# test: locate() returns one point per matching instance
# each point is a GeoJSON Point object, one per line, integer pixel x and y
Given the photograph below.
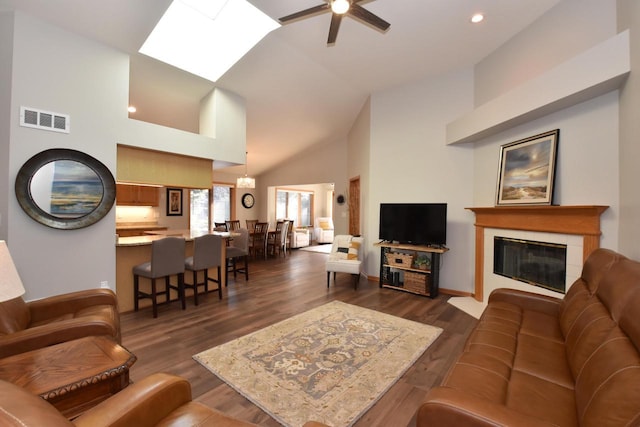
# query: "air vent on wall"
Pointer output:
{"type": "Point", "coordinates": [46, 120]}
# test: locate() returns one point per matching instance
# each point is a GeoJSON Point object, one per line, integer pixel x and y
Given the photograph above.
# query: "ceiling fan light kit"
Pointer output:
{"type": "Point", "coordinates": [338, 9]}
{"type": "Point", "coordinates": [340, 6]}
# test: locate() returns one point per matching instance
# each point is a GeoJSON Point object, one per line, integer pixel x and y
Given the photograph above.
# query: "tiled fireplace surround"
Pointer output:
{"type": "Point", "coordinates": [576, 226]}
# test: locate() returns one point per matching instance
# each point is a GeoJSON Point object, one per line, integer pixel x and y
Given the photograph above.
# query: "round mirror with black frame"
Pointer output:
{"type": "Point", "coordinates": [65, 189]}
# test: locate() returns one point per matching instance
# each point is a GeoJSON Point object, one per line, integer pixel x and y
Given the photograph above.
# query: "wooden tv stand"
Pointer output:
{"type": "Point", "coordinates": [417, 280]}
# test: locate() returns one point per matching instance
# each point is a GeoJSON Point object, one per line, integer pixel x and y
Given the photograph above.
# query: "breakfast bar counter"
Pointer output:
{"type": "Point", "coordinates": [134, 250]}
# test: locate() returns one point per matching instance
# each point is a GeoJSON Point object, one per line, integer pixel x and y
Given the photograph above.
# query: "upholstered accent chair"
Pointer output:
{"type": "Point", "coordinates": [299, 238]}
{"type": "Point", "coordinates": [26, 326]}
{"type": "Point", "coordinates": [323, 230]}
{"type": "Point", "coordinates": [346, 257]}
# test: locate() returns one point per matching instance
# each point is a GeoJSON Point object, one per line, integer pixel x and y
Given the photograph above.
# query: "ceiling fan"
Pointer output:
{"type": "Point", "coordinates": [340, 8]}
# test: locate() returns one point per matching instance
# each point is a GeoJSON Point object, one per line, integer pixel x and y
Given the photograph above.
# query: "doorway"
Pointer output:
{"type": "Point", "coordinates": [354, 206]}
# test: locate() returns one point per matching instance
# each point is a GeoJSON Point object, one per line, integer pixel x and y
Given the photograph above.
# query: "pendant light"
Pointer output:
{"type": "Point", "coordinates": [246, 181]}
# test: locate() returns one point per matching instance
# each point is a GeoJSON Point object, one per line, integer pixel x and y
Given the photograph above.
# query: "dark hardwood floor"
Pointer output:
{"type": "Point", "coordinates": [277, 289]}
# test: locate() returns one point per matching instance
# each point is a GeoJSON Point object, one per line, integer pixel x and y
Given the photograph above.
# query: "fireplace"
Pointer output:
{"type": "Point", "coordinates": [540, 264]}
{"type": "Point", "coordinates": [576, 226]}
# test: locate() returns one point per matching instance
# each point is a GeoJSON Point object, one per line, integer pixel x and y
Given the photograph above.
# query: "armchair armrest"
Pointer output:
{"type": "Point", "coordinates": [60, 305]}
{"type": "Point", "coordinates": [450, 407]}
{"type": "Point", "coordinates": [56, 332]}
{"type": "Point", "coordinates": [144, 403]}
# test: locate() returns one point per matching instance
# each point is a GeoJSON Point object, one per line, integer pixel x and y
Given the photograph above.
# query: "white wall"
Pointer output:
{"type": "Point", "coordinates": [410, 163]}
{"type": "Point", "coordinates": [629, 226]}
{"type": "Point", "coordinates": [587, 155]}
{"type": "Point", "coordinates": [359, 164]}
{"type": "Point", "coordinates": [90, 83]}
{"type": "Point", "coordinates": [568, 29]}
{"type": "Point", "coordinates": [323, 163]}
{"type": "Point", "coordinates": [6, 52]}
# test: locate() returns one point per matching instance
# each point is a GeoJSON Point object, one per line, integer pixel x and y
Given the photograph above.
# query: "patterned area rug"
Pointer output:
{"type": "Point", "coordinates": [329, 364]}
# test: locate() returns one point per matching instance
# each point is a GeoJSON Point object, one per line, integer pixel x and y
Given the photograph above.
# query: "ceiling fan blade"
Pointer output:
{"type": "Point", "coordinates": [364, 15]}
{"type": "Point", "coordinates": [333, 29]}
{"type": "Point", "coordinates": [305, 13]}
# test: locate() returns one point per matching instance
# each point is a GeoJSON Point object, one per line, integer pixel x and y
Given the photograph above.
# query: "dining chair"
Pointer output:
{"type": "Point", "coordinates": [220, 226]}
{"type": "Point", "coordinates": [207, 253]}
{"type": "Point", "coordinates": [251, 225]}
{"type": "Point", "coordinates": [233, 225]}
{"type": "Point", "coordinates": [259, 240]}
{"type": "Point", "coordinates": [277, 243]}
{"type": "Point", "coordinates": [273, 238]}
{"type": "Point", "coordinates": [167, 259]}
{"type": "Point", "coordinates": [238, 250]}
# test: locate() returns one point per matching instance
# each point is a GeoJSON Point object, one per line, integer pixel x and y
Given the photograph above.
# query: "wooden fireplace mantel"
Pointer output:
{"type": "Point", "coordinates": [579, 220]}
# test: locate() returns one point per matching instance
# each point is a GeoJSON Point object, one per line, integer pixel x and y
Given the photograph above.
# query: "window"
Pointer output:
{"type": "Point", "coordinates": [221, 203]}
{"type": "Point", "coordinates": [295, 205]}
{"type": "Point", "coordinates": [199, 212]}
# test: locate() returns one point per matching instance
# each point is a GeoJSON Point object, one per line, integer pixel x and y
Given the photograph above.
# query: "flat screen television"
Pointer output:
{"type": "Point", "coordinates": [414, 223]}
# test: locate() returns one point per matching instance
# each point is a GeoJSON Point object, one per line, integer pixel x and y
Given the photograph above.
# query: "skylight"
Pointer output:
{"type": "Point", "coordinates": [206, 37]}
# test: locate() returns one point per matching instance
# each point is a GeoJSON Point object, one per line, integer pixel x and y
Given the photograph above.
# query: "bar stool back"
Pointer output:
{"type": "Point", "coordinates": [207, 253]}
{"type": "Point", "coordinates": [167, 259]}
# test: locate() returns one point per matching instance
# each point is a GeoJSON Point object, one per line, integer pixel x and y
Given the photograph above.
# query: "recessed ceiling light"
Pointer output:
{"type": "Point", "coordinates": [132, 109]}
{"type": "Point", "coordinates": [205, 37]}
{"type": "Point", "coordinates": [478, 17]}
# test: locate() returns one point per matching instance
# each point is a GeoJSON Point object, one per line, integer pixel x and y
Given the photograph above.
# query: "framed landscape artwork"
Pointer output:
{"type": "Point", "coordinates": [527, 170]}
{"type": "Point", "coordinates": [174, 201]}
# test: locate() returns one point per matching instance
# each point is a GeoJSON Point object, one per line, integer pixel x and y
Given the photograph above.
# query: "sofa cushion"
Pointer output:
{"type": "Point", "coordinates": [537, 397]}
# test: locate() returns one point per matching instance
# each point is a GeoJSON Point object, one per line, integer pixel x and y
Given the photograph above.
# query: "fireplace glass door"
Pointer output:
{"type": "Point", "coordinates": [537, 263]}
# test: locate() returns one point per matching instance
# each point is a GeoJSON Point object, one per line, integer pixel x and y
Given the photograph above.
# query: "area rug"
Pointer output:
{"type": "Point", "coordinates": [323, 249]}
{"type": "Point", "coordinates": [329, 364]}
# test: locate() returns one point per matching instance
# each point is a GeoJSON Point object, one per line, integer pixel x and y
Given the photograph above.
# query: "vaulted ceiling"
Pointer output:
{"type": "Point", "coordinates": [299, 92]}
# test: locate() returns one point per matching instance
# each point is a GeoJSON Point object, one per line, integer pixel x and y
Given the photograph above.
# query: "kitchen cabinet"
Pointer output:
{"type": "Point", "coordinates": [137, 195]}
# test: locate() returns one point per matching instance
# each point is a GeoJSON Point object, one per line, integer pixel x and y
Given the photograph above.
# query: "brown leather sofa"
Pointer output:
{"type": "Point", "coordinates": [26, 326]}
{"type": "Point", "coordinates": [158, 400]}
{"type": "Point", "coordinates": [540, 361]}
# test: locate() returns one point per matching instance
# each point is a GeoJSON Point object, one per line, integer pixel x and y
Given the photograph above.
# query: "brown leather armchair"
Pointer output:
{"type": "Point", "coordinates": [159, 399]}
{"type": "Point", "coordinates": [26, 326]}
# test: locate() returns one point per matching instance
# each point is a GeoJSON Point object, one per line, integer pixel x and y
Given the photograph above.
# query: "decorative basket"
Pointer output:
{"type": "Point", "coordinates": [397, 259]}
{"type": "Point", "coordinates": [416, 282]}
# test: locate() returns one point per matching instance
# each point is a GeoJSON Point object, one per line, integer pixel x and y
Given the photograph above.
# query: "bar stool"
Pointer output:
{"type": "Point", "coordinates": [239, 248]}
{"type": "Point", "coordinates": [207, 253]}
{"type": "Point", "coordinates": [167, 259]}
